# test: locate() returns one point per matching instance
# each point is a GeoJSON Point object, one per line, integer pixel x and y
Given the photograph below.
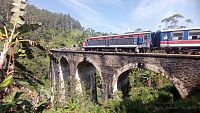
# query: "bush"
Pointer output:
{"type": "Point", "coordinates": [164, 96]}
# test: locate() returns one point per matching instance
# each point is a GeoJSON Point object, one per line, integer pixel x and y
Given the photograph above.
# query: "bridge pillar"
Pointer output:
{"type": "Point", "coordinates": [53, 74]}
{"type": "Point", "coordinates": [107, 86]}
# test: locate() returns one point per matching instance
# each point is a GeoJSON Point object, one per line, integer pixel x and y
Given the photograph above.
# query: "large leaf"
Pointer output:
{"type": "Point", "coordinates": [21, 6]}
{"type": "Point", "coordinates": [18, 11]}
{"type": "Point", "coordinates": [17, 18]}
{"type": "Point", "coordinates": [6, 82]}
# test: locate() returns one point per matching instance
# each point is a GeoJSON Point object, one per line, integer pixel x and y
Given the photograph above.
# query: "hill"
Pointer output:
{"type": "Point", "coordinates": [48, 19]}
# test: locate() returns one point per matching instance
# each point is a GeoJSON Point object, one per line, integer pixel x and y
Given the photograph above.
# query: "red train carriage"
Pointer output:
{"type": "Point", "coordinates": [123, 42]}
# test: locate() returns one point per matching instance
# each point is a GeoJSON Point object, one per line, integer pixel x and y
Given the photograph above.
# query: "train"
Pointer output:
{"type": "Point", "coordinates": [174, 41]}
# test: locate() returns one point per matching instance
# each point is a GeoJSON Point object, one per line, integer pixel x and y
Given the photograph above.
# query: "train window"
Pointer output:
{"type": "Point", "coordinates": [145, 38]}
{"type": "Point", "coordinates": [180, 38]}
{"type": "Point", "coordinates": [194, 32]}
{"type": "Point", "coordinates": [96, 42]}
{"type": "Point", "coordinates": [177, 35]}
{"type": "Point", "coordinates": [165, 36]}
{"type": "Point", "coordinates": [194, 35]}
{"type": "Point", "coordinates": [135, 40]}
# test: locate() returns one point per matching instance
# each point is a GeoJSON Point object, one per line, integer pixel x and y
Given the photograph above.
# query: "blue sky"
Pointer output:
{"type": "Point", "coordinates": [122, 15]}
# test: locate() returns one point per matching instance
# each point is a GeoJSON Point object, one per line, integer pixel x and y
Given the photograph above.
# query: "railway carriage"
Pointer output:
{"type": "Point", "coordinates": [185, 40]}
{"type": "Point", "coordinates": [125, 42]}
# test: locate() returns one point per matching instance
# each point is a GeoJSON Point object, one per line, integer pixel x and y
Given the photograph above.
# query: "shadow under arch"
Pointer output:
{"type": "Point", "coordinates": [123, 83]}
{"type": "Point", "coordinates": [120, 72]}
{"type": "Point", "coordinates": [178, 84]}
{"type": "Point", "coordinates": [65, 69]}
{"type": "Point", "coordinates": [90, 61]}
{"type": "Point", "coordinates": [86, 74]}
{"type": "Point", "coordinates": [66, 75]}
{"type": "Point", "coordinates": [127, 68]}
{"type": "Point", "coordinates": [64, 78]}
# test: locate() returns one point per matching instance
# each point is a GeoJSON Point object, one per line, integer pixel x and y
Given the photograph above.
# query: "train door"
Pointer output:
{"type": "Point", "coordinates": [140, 40]}
{"type": "Point", "coordinates": [144, 40]}
{"type": "Point", "coordinates": [147, 40]}
{"type": "Point", "coordinates": [185, 35]}
{"type": "Point", "coordinates": [107, 41]}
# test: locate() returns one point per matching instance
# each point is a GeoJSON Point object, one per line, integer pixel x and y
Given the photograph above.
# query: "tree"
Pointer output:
{"type": "Point", "coordinates": [166, 21]}
{"type": "Point", "coordinates": [11, 35]}
{"type": "Point", "coordinates": [11, 38]}
{"type": "Point", "coordinates": [188, 21]}
{"type": "Point", "coordinates": [172, 22]}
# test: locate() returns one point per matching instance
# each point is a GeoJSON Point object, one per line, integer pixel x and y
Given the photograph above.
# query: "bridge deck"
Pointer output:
{"type": "Point", "coordinates": [158, 55]}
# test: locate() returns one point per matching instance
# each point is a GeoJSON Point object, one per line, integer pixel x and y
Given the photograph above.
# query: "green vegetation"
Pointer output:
{"type": "Point", "coordinates": [27, 88]}
{"type": "Point", "coordinates": [143, 98]}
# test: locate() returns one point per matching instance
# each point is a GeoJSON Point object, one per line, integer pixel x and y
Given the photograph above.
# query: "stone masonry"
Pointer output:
{"type": "Point", "coordinates": [182, 70]}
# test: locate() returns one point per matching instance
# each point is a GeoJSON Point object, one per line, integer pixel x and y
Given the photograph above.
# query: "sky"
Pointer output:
{"type": "Point", "coordinates": [119, 16]}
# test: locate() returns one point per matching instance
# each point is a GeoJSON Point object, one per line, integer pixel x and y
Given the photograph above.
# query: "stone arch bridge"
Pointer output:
{"type": "Point", "coordinates": [182, 70]}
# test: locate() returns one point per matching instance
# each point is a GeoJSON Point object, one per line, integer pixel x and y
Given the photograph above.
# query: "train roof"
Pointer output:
{"type": "Point", "coordinates": [183, 29]}
{"type": "Point", "coordinates": [125, 34]}
{"type": "Point", "coordinates": [138, 32]}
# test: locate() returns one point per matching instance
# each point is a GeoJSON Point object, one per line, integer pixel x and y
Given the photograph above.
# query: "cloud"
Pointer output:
{"type": "Point", "coordinates": [160, 8]}
{"type": "Point", "coordinates": [151, 12]}
{"type": "Point", "coordinates": [120, 15]}
{"type": "Point", "coordinates": [80, 6]}
{"type": "Point", "coordinates": [103, 2]}
{"type": "Point", "coordinates": [150, 8]}
{"type": "Point", "coordinates": [90, 17]}
{"type": "Point", "coordinates": [110, 2]}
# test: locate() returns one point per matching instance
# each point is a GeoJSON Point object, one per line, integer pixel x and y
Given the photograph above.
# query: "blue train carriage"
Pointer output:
{"type": "Point", "coordinates": [185, 40]}
{"type": "Point", "coordinates": [128, 42]}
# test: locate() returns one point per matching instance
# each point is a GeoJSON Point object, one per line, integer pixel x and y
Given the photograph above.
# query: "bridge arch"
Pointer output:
{"type": "Point", "coordinates": [175, 81]}
{"type": "Point", "coordinates": [90, 61]}
{"type": "Point", "coordinates": [121, 71]}
{"type": "Point", "coordinates": [61, 77]}
{"type": "Point", "coordinates": [86, 73]}
{"type": "Point", "coordinates": [65, 68]}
